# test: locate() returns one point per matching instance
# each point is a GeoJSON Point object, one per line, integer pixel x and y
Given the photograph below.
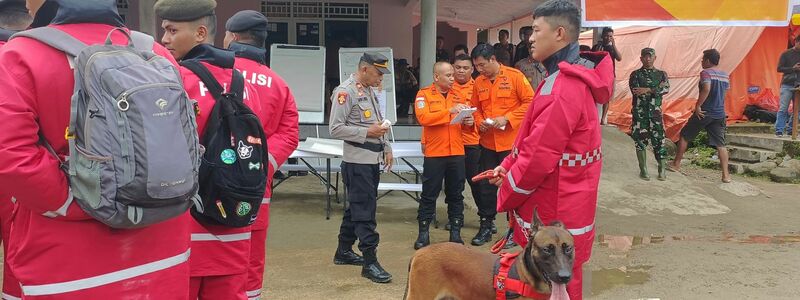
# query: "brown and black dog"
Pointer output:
{"type": "Point", "coordinates": [453, 271]}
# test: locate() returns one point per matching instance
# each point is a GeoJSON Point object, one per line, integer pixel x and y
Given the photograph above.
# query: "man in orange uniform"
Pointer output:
{"type": "Point", "coordinates": [502, 96]}
{"type": "Point", "coordinates": [469, 134]}
{"type": "Point", "coordinates": [436, 106]}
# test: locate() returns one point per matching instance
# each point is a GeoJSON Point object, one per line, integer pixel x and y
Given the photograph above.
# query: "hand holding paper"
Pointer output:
{"type": "Point", "coordinates": [463, 114]}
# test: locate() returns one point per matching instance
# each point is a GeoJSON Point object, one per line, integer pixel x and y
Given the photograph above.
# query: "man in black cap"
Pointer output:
{"type": "Point", "coordinates": [14, 17]}
{"type": "Point", "coordinates": [245, 34]}
{"type": "Point", "coordinates": [186, 23]}
{"type": "Point", "coordinates": [356, 118]}
{"type": "Point", "coordinates": [220, 255]}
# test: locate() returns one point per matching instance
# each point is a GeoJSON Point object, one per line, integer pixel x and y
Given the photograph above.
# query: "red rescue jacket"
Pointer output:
{"type": "Point", "coordinates": [216, 250]}
{"type": "Point", "coordinates": [555, 163]}
{"type": "Point", "coordinates": [53, 257]}
{"type": "Point", "coordinates": [278, 114]}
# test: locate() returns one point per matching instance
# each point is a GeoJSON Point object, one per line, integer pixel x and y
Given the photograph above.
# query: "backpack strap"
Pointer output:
{"type": "Point", "coordinates": [236, 92]}
{"type": "Point", "coordinates": [54, 38]}
{"type": "Point", "coordinates": [142, 41]}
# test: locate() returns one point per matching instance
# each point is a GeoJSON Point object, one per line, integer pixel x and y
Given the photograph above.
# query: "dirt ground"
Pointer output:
{"type": "Point", "coordinates": [691, 237]}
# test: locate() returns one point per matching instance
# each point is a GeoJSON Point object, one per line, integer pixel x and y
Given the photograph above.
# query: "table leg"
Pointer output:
{"type": "Point", "coordinates": [794, 113]}
{"type": "Point", "coordinates": [328, 189]}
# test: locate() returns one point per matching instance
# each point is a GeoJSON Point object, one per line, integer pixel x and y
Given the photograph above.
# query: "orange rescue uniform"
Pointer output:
{"type": "Point", "coordinates": [509, 95]}
{"type": "Point", "coordinates": [433, 113]}
{"type": "Point", "coordinates": [469, 134]}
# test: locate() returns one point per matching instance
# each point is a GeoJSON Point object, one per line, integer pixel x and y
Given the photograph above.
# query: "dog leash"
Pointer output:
{"type": "Point", "coordinates": [488, 174]}
{"type": "Point", "coordinates": [501, 244]}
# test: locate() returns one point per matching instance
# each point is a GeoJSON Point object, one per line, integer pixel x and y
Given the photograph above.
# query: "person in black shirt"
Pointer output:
{"type": "Point", "coordinates": [608, 44]}
{"type": "Point", "coordinates": [505, 45]}
{"type": "Point", "coordinates": [441, 54]}
{"type": "Point", "coordinates": [522, 48]}
{"type": "Point", "coordinates": [789, 65]}
{"type": "Point", "coordinates": [459, 50]}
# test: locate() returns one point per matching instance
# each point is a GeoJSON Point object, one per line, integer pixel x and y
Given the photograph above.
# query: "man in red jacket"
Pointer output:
{"type": "Point", "coordinates": [554, 164]}
{"type": "Point", "coordinates": [245, 34]}
{"type": "Point", "coordinates": [220, 254]}
{"type": "Point", "coordinates": [57, 251]}
{"type": "Point", "coordinates": [14, 17]}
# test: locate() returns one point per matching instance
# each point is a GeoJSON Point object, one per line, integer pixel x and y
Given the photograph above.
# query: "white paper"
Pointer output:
{"type": "Point", "coordinates": [491, 122]}
{"type": "Point", "coordinates": [463, 114]}
{"type": "Point", "coordinates": [380, 94]}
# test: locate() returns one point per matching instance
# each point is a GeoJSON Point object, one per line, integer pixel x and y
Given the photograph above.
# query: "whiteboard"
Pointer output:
{"type": "Point", "coordinates": [348, 64]}
{"type": "Point", "coordinates": [303, 69]}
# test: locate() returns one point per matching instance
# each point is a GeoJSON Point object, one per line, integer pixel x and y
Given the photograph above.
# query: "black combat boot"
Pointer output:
{"type": "Point", "coordinates": [455, 231]}
{"type": "Point", "coordinates": [372, 270]}
{"type": "Point", "coordinates": [346, 256]}
{"type": "Point", "coordinates": [424, 238]}
{"type": "Point", "coordinates": [484, 234]}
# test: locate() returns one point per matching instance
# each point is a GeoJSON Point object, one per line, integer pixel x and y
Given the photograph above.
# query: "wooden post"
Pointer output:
{"type": "Point", "coordinates": [795, 110]}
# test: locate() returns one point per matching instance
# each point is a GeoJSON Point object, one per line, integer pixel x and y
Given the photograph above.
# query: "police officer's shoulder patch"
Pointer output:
{"type": "Point", "coordinates": [342, 97]}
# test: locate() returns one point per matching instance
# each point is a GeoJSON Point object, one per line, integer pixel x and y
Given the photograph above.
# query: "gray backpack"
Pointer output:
{"type": "Point", "coordinates": [134, 150]}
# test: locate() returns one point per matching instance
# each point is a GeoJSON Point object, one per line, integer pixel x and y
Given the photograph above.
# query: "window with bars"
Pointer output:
{"type": "Point", "coordinates": [122, 8]}
{"type": "Point", "coordinates": [276, 9]}
{"type": "Point", "coordinates": [315, 10]}
{"type": "Point", "coordinates": [347, 11]}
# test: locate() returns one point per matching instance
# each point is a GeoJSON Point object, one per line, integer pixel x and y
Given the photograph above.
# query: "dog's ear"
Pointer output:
{"type": "Point", "coordinates": [537, 224]}
{"type": "Point", "coordinates": [558, 224]}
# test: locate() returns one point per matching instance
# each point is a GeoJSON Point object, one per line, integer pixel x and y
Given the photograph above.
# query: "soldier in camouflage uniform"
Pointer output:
{"type": "Point", "coordinates": [648, 85]}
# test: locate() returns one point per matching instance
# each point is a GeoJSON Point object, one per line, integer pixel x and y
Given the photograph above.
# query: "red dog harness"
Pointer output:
{"type": "Point", "coordinates": [506, 286]}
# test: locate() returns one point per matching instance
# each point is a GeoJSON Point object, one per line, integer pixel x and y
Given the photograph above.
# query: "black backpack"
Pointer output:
{"type": "Point", "coordinates": [233, 175]}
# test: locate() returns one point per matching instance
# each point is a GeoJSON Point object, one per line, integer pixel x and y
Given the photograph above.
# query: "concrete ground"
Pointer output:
{"type": "Point", "coordinates": [690, 237]}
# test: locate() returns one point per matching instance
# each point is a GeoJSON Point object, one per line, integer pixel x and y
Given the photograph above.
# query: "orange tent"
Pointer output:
{"type": "Point", "coordinates": [749, 54]}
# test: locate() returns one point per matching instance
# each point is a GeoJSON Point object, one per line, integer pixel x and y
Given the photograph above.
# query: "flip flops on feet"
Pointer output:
{"type": "Point", "coordinates": [672, 168]}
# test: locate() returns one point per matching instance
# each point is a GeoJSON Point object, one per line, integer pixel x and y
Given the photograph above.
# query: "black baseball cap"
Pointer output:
{"type": "Point", "coordinates": [246, 20]}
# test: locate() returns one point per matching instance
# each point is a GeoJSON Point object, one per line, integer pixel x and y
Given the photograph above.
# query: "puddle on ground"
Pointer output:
{"type": "Point", "coordinates": [624, 243]}
{"type": "Point", "coordinates": [606, 279]}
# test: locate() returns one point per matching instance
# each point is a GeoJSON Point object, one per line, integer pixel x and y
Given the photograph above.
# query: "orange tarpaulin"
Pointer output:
{"type": "Point", "coordinates": [749, 54]}
{"type": "Point", "coordinates": [686, 12]}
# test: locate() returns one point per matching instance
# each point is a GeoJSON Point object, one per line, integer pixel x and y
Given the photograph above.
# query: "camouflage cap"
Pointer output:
{"type": "Point", "coordinates": [184, 10]}
{"type": "Point", "coordinates": [649, 51]}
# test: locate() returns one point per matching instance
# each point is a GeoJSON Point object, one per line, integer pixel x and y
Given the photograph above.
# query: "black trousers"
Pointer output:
{"type": "Point", "coordinates": [436, 169]}
{"type": "Point", "coordinates": [487, 206]}
{"type": "Point", "coordinates": [472, 166]}
{"type": "Point", "coordinates": [359, 221]}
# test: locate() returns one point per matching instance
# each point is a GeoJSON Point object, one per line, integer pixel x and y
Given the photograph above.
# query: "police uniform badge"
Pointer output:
{"type": "Point", "coordinates": [341, 98]}
{"type": "Point", "coordinates": [367, 114]}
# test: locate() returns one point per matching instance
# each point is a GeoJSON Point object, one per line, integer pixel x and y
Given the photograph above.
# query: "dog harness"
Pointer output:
{"type": "Point", "coordinates": [506, 280]}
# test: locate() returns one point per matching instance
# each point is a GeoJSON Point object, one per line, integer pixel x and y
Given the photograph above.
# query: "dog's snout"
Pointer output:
{"type": "Point", "coordinates": [564, 276]}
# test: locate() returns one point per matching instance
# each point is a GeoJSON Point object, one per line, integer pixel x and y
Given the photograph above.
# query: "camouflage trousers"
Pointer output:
{"type": "Point", "coordinates": [648, 128]}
